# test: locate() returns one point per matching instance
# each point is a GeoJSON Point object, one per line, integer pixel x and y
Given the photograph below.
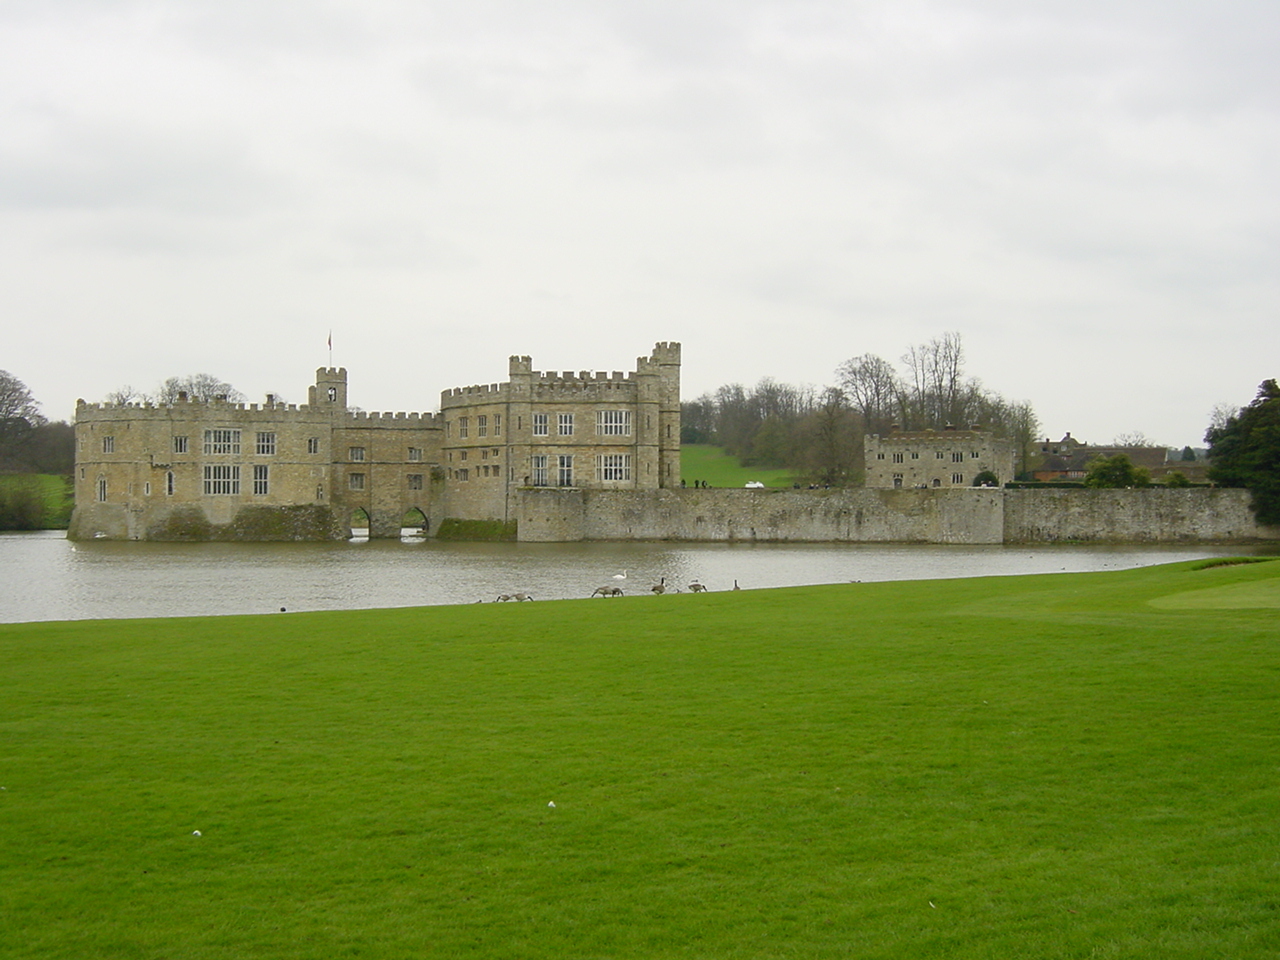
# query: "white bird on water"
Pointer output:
{"type": "Point", "coordinates": [620, 576]}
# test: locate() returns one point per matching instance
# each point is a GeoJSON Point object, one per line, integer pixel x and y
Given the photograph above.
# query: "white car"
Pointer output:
{"type": "Point", "coordinates": [754, 485]}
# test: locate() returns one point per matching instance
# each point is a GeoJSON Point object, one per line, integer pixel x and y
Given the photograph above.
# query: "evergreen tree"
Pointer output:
{"type": "Point", "coordinates": [1245, 452]}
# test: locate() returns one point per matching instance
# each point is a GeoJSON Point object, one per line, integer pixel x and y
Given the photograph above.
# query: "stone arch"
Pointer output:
{"type": "Point", "coordinates": [416, 522]}
{"type": "Point", "coordinates": [359, 523]}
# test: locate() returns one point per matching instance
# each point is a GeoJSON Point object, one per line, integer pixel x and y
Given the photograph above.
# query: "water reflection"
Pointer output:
{"type": "Point", "coordinates": [45, 577]}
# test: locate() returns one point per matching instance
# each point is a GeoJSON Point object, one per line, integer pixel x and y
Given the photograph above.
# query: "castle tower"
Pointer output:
{"type": "Point", "coordinates": [658, 377]}
{"type": "Point", "coordinates": [330, 391]}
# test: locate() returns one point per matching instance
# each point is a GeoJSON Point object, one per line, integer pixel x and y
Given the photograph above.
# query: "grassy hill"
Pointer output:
{"type": "Point", "coordinates": [718, 469]}
{"type": "Point", "coordinates": [33, 501]}
{"type": "Point", "coordinates": [1076, 765]}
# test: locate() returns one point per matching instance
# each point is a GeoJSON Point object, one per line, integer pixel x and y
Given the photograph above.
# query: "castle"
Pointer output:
{"type": "Point", "coordinates": [196, 470]}
{"type": "Point", "coordinates": [936, 459]}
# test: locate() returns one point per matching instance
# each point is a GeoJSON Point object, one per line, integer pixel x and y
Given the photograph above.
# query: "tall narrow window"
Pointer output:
{"type": "Point", "coordinates": [565, 425]}
{"type": "Point", "coordinates": [540, 471]}
{"type": "Point", "coordinates": [168, 483]}
{"type": "Point", "coordinates": [540, 425]}
{"type": "Point", "coordinates": [260, 479]}
{"type": "Point", "coordinates": [565, 474]}
{"type": "Point", "coordinates": [313, 444]}
{"type": "Point", "coordinates": [179, 444]}
{"type": "Point", "coordinates": [497, 424]}
{"type": "Point", "coordinates": [265, 445]}
{"type": "Point", "coordinates": [482, 426]}
{"type": "Point", "coordinates": [102, 489]}
{"type": "Point", "coordinates": [108, 444]}
{"type": "Point", "coordinates": [463, 427]}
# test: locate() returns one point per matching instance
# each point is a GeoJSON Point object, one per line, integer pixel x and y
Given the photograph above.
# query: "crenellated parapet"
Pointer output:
{"type": "Point", "coordinates": [205, 410]}
{"type": "Point", "coordinates": [478, 393]}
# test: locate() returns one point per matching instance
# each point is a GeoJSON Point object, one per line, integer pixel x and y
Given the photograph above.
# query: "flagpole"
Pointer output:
{"type": "Point", "coordinates": [331, 348]}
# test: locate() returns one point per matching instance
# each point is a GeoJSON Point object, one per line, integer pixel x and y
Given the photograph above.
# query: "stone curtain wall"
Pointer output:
{"type": "Point", "coordinates": [891, 516]}
{"type": "Point", "coordinates": [1131, 516]}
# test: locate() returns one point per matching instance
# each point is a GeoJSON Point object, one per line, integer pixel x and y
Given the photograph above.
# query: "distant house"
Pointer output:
{"type": "Point", "coordinates": [1069, 459]}
{"type": "Point", "coordinates": [936, 458]}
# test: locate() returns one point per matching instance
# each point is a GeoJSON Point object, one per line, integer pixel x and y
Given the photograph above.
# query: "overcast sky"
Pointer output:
{"type": "Point", "coordinates": [1085, 191]}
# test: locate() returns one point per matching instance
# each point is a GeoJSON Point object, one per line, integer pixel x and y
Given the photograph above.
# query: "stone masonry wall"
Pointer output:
{"type": "Point", "coordinates": [891, 516]}
{"type": "Point", "coordinates": [1152, 515]}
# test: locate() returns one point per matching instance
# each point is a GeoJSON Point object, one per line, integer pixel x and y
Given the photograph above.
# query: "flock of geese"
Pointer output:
{"type": "Point", "coordinates": [615, 589]}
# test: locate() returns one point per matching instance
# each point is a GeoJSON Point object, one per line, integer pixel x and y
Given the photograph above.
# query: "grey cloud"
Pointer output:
{"type": "Point", "coordinates": [79, 166]}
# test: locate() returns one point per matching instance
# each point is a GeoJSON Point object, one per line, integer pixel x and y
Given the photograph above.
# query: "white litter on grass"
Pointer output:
{"type": "Point", "coordinates": [551, 804]}
{"type": "Point", "coordinates": [931, 903]}
{"type": "Point", "coordinates": [195, 833]}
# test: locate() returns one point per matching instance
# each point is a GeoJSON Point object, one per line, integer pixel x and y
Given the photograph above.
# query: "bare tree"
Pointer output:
{"type": "Point", "coordinates": [828, 440]}
{"type": "Point", "coordinates": [872, 388]}
{"type": "Point", "coordinates": [938, 394]}
{"type": "Point", "coordinates": [1134, 438]}
{"type": "Point", "coordinates": [197, 386]}
{"type": "Point", "coordinates": [1221, 415]}
{"type": "Point", "coordinates": [19, 415]}
{"type": "Point", "coordinates": [125, 394]}
{"type": "Point", "coordinates": [16, 402]}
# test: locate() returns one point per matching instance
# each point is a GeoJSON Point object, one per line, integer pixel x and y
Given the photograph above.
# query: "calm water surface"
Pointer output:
{"type": "Point", "coordinates": [43, 576]}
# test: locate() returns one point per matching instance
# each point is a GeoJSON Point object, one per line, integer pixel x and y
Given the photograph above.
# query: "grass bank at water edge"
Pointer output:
{"type": "Point", "coordinates": [1059, 766]}
{"type": "Point", "coordinates": [35, 501]}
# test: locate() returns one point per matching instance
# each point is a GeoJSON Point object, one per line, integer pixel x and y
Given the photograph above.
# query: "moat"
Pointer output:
{"type": "Point", "coordinates": [46, 577]}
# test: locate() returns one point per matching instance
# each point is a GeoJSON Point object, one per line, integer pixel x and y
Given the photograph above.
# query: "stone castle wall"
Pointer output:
{"type": "Point", "coordinates": [1150, 515]}
{"type": "Point", "coordinates": [971, 516]}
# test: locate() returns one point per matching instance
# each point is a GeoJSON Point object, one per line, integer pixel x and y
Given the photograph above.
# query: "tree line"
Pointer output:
{"type": "Point", "coordinates": [817, 431]}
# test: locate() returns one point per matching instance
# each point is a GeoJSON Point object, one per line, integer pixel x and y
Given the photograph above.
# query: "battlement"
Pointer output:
{"type": "Point", "coordinates": [477, 393]}
{"type": "Point", "coordinates": [182, 408]}
{"type": "Point", "coordinates": [407, 419]}
{"type": "Point", "coordinates": [948, 434]}
{"type": "Point", "coordinates": [548, 385]}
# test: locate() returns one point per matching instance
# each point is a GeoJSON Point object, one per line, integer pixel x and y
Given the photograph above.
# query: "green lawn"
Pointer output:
{"type": "Point", "coordinates": [54, 493]}
{"type": "Point", "coordinates": [718, 469]}
{"type": "Point", "coordinates": [1062, 766]}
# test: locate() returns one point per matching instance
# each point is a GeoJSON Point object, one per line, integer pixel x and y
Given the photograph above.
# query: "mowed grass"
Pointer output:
{"type": "Point", "coordinates": [1042, 766]}
{"type": "Point", "coordinates": [56, 493]}
{"type": "Point", "coordinates": [718, 469]}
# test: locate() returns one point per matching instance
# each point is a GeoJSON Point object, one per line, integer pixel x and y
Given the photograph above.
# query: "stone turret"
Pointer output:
{"type": "Point", "coordinates": [330, 391]}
